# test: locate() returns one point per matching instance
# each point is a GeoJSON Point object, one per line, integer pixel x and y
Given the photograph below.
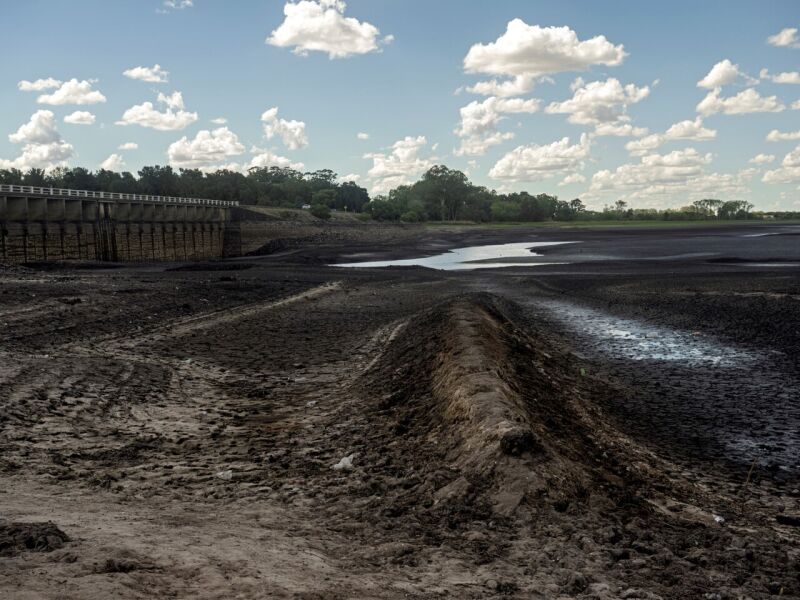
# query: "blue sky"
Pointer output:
{"type": "Point", "coordinates": [580, 115]}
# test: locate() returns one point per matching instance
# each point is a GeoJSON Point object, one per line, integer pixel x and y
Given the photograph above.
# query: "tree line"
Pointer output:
{"type": "Point", "coordinates": [267, 186]}
{"type": "Point", "coordinates": [441, 194]}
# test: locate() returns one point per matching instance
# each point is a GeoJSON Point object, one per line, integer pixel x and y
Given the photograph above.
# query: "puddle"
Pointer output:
{"type": "Point", "coordinates": [473, 257]}
{"type": "Point", "coordinates": [634, 340]}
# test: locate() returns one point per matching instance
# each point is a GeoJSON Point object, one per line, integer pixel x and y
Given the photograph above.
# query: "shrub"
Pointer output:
{"type": "Point", "coordinates": [321, 211]}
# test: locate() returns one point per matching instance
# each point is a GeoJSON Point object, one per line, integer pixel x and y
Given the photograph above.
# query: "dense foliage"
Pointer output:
{"type": "Point", "coordinates": [272, 186]}
{"type": "Point", "coordinates": [442, 194]}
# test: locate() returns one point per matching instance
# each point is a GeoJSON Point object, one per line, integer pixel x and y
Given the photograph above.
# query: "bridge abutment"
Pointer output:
{"type": "Point", "coordinates": [38, 225]}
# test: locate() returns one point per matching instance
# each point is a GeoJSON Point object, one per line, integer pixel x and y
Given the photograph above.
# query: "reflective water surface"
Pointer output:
{"type": "Point", "coordinates": [473, 257]}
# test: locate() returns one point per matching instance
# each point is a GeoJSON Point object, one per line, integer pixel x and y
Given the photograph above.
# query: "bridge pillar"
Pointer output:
{"type": "Point", "coordinates": [90, 211]}
{"type": "Point", "coordinates": [55, 209]}
{"type": "Point", "coordinates": [73, 210]}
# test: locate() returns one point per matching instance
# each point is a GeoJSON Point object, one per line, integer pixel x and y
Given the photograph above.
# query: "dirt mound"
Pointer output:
{"type": "Point", "coordinates": [485, 437]}
{"type": "Point", "coordinates": [499, 410]}
{"type": "Point", "coordinates": [16, 538]}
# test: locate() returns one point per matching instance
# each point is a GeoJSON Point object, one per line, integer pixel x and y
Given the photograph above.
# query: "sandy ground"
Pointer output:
{"type": "Point", "coordinates": [277, 428]}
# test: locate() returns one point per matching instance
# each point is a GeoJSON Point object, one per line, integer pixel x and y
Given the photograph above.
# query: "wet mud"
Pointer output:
{"type": "Point", "coordinates": [621, 426]}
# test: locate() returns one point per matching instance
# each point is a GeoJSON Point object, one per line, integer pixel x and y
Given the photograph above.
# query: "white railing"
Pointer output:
{"type": "Point", "coordinates": [66, 193]}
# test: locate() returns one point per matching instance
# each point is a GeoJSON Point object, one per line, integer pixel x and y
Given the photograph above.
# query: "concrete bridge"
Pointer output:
{"type": "Point", "coordinates": [39, 223]}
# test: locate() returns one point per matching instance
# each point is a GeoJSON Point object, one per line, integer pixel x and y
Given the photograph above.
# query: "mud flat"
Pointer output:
{"type": "Point", "coordinates": [622, 424]}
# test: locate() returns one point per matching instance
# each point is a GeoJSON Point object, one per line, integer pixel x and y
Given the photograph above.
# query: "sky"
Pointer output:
{"type": "Point", "coordinates": [657, 104]}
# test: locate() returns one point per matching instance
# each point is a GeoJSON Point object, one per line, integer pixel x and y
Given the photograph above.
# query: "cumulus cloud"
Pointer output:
{"type": "Point", "coordinates": [783, 136]}
{"type": "Point", "coordinates": [73, 92]}
{"type": "Point", "coordinates": [173, 118]}
{"type": "Point", "coordinates": [41, 129]}
{"type": "Point", "coordinates": [320, 26]}
{"type": "Point", "coordinates": [80, 117]}
{"type": "Point", "coordinates": [170, 5]}
{"type": "Point", "coordinates": [479, 120]}
{"type": "Point", "coordinates": [762, 159]}
{"type": "Point", "coordinates": [154, 74]}
{"type": "Point", "coordinates": [263, 158]}
{"type": "Point", "coordinates": [220, 121]}
{"type": "Point", "coordinates": [679, 175]}
{"type": "Point", "coordinates": [128, 146]}
{"type": "Point", "coordinates": [786, 77]}
{"type": "Point", "coordinates": [746, 101]}
{"type": "Point", "coordinates": [401, 166]}
{"type": "Point", "coordinates": [43, 147]}
{"type": "Point", "coordinates": [722, 73]}
{"type": "Point", "coordinates": [534, 162]}
{"type": "Point", "coordinates": [519, 85]}
{"type": "Point", "coordinates": [572, 179]}
{"type": "Point", "coordinates": [532, 51]}
{"type": "Point", "coordinates": [362, 136]}
{"type": "Point", "coordinates": [292, 133]}
{"type": "Point", "coordinates": [208, 151]}
{"type": "Point", "coordinates": [786, 38]}
{"type": "Point", "coordinates": [354, 177]}
{"type": "Point", "coordinates": [602, 104]}
{"type": "Point", "coordinates": [115, 162]}
{"type": "Point", "coordinates": [683, 130]}
{"type": "Point", "coordinates": [38, 85]}
{"type": "Point", "coordinates": [788, 172]}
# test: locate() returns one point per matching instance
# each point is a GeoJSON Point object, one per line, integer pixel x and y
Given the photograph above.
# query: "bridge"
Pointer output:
{"type": "Point", "coordinates": [44, 223]}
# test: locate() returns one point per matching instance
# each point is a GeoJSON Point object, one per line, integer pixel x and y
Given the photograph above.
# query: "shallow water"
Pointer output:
{"type": "Point", "coordinates": [473, 257]}
{"type": "Point", "coordinates": [636, 340]}
{"type": "Point", "coordinates": [685, 371]}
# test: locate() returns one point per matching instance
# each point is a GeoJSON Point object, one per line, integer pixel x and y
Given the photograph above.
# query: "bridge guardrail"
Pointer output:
{"type": "Point", "coordinates": [112, 196]}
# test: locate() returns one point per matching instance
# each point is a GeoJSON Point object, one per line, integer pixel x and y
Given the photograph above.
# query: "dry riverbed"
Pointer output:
{"type": "Point", "coordinates": [278, 428]}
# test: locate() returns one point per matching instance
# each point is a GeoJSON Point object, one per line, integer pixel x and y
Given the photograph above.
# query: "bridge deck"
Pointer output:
{"type": "Point", "coordinates": [49, 192]}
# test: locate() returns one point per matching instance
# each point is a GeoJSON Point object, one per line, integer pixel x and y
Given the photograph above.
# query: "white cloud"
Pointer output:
{"type": "Point", "coordinates": [115, 162]}
{"type": "Point", "coordinates": [534, 162]}
{"type": "Point", "coordinates": [786, 38]}
{"type": "Point", "coordinates": [154, 74]}
{"type": "Point", "coordinates": [80, 117]}
{"type": "Point", "coordinates": [479, 121]}
{"type": "Point", "coordinates": [746, 101]}
{"type": "Point", "coordinates": [208, 150]}
{"type": "Point", "coordinates": [678, 176]}
{"type": "Point", "coordinates": [401, 166]}
{"type": "Point", "coordinates": [619, 130]}
{"type": "Point", "coordinates": [220, 121]}
{"type": "Point", "coordinates": [170, 5]}
{"type": "Point", "coordinates": [788, 172]}
{"type": "Point", "coordinates": [320, 26]}
{"type": "Point", "coordinates": [762, 159]}
{"type": "Point", "coordinates": [533, 51]}
{"type": "Point", "coordinates": [787, 77]}
{"type": "Point", "coordinates": [783, 136]}
{"type": "Point", "coordinates": [173, 101]}
{"type": "Point", "coordinates": [519, 85]}
{"type": "Point", "coordinates": [292, 133]}
{"type": "Point", "coordinates": [265, 158]}
{"type": "Point", "coordinates": [722, 73]}
{"type": "Point", "coordinates": [602, 104]}
{"type": "Point", "coordinates": [43, 146]}
{"type": "Point", "coordinates": [354, 177]}
{"type": "Point", "coordinates": [362, 136]}
{"type": "Point", "coordinates": [573, 178]}
{"type": "Point", "coordinates": [128, 146]}
{"type": "Point", "coordinates": [41, 129]}
{"type": "Point", "coordinates": [683, 130]}
{"type": "Point", "coordinates": [38, 85]}
{"type": "Point", "coordinates": [173, 118]}
{"type": "Point", "coordinates": [73, 92]}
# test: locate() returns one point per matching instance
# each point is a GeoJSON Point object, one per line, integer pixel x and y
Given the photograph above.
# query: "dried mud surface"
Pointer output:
{"type": "Point", "coordinates": [284, 429]}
